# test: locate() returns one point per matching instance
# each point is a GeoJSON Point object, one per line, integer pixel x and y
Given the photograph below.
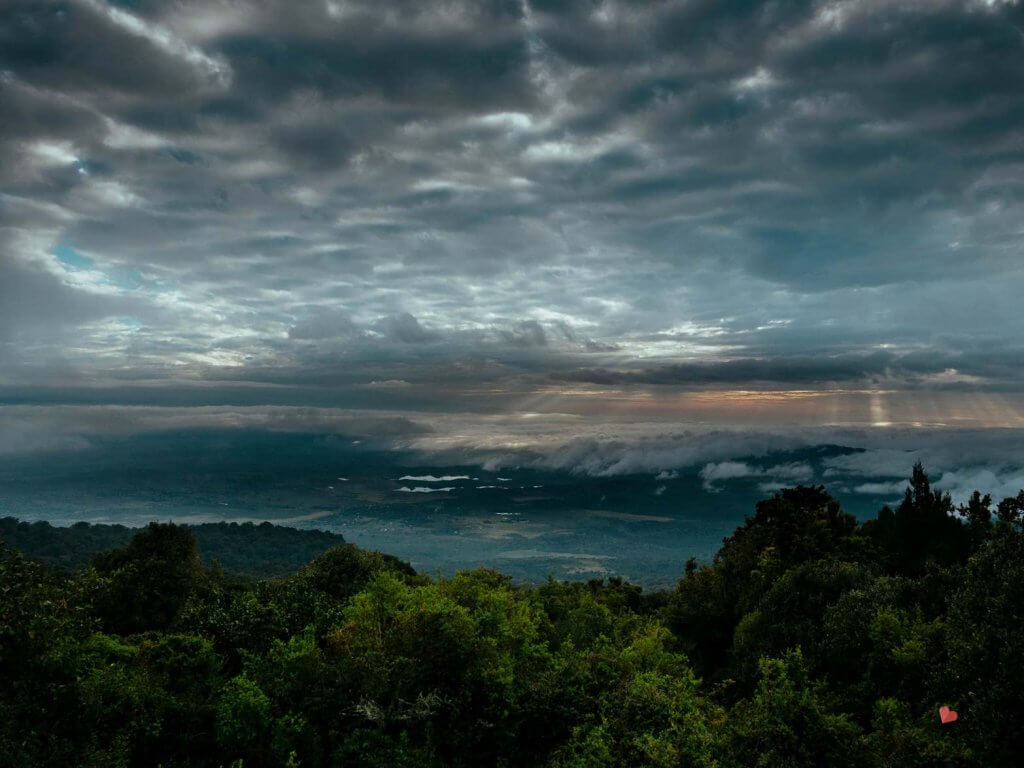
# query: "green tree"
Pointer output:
{"type": "Point", "coordinates": [899, 740]}
{"type": "Point", "coordinates": [796, 525]}
{"type": "Point", "coordinates": [881, 641]}
{"type": "Point", "coordinates": [244, 721]}
{"type": "Point", "coordinates": [986, 649]}
{"type": "Point", "coordinates": [791, 613]}
{"type": "Point", "coordinates": [923, 529]}
{"type": "Point", "coordinates": [786, 722]}
{"type": "Point", "coordinates": [149, 580]}
{"type": "Point", "coordinates": [648, 712]}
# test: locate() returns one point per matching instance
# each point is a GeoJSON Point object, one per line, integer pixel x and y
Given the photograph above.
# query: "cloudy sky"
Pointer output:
{"type": "Point", "coordinates": [797, 211]}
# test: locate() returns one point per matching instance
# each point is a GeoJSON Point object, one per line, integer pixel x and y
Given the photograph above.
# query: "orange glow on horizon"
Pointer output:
{"type": "Point", "coordinates": [846, 407]}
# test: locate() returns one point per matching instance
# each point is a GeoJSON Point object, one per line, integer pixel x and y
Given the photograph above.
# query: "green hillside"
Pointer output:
{"type": "Point", "coordinates": [810, 640]}
{"type": "Point", "coordinates": [243, 548]}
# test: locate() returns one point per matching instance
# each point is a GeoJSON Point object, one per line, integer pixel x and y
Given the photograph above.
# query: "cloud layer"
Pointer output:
{"type": "Point", "coordinates": [422, 204]}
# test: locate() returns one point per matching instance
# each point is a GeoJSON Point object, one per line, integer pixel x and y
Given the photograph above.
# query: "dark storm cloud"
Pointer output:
{"type": "Point", "coordinates": [94, 48]}
{"type": "Point", "coordinates": [463, 54]}
{"type": "Point", "coordinates": [938, 370]}
{"type": "Point", "coordinates": [325, 324]}
{"type": "Point", "coordinates": [406, 329]}
{"type": "Point", "coordinates": [666, 193]}
{"type": "Point", "coordinates": [529, 333]}
{"type": "Point", "coordinates": [33, 301]}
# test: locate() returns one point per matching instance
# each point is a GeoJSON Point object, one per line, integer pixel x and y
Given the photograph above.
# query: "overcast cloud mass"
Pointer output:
{"type": "Point", "coordinates": [791, 211]}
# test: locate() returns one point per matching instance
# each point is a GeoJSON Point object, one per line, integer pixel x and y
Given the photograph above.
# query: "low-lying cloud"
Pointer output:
{"type": "Point", "coordinates": [873, 462]}
{"type": "Point", "coordinates": [780, 475]}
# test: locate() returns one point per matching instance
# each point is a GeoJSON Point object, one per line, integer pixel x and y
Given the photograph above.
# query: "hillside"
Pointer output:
{"type": "Point", "coordinates": [810, 640]}
{"type": "Point", "coordinates": [243, 548]}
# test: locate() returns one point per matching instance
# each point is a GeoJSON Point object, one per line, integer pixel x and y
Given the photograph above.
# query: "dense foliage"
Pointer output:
{"type": "Point", "coordinates": [810, 640]}
{"type": "Point", "coordinates": [244, 548]}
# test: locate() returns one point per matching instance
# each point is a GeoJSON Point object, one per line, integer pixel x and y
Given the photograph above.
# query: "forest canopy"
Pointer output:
{"type": "Point", "coordinates": [258, 549]}
{"type": "Point", "coordinates": [809, 640]}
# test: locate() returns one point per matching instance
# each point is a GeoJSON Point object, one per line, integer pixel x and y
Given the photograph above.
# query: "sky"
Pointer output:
{"type": "Point", "coordinates": [508, 224]}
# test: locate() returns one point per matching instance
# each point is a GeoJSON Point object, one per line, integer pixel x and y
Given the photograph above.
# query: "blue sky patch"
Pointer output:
{"type": "Point", "coordinates": [69, 257]}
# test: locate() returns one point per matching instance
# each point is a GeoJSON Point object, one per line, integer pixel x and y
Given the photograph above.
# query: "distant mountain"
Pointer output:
{"type": "Point", "coordinates": [244, 548]}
